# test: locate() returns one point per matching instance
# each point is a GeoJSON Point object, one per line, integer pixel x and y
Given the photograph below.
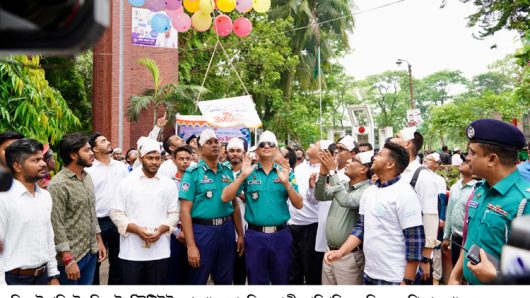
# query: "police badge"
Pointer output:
{"type": "Point", "coordinates": [209, 194]}
{"type": "Point", "coordinates": [255, 195]}
{"type": "Point", "coordinates": [470, 132]}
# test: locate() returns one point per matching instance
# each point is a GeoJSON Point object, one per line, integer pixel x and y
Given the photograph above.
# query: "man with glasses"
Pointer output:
{"type": "Point", "coordinates": [207, 222]}
{"type": "Point", "coordinates": [346, 150]}
{"type": "Point", "coordinates": [267, 187]}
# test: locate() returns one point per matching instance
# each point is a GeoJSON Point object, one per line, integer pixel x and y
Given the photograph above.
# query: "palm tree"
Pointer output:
{"type": "Point", "coordinates": [174, 98]}
{"type": "Point", "coordinates": [336, 24]}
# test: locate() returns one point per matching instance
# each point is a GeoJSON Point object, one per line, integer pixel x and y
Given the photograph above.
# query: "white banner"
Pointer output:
{"type": "Point", "coordinates": [414, 117]}
{"type": "Point", "coordinates": [230, 112]}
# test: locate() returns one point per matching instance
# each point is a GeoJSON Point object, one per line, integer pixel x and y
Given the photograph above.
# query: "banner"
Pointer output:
{"type": "Point", "coordinates": [414, 117]}
{"type": "Point", "coordinates": [186, 126]}
{"type": "Point", "coordinates": [230, 112]}
{"type": "Point", "coordinates": [142, 35]}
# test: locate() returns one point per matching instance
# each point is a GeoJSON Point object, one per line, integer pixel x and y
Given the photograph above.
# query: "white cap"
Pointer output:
{"type": "Point", "coordinates": [235, 143]}
{"type": "Point", "coordinates": [206, 135]}
{"type": "Point", "coordinates": [435, 156]}
{"type": "Point", "coordinates": [457, 149]}
{"type": "Point", "coordinates": [116, 150]}
{"type": "Point", "coordinates": [324, 144]}
{"type": "Point", "coordinates": [252, 149]}
{"type": "Point", "coordinates": [348, 142]}
{"type": "Point", "coordinates": [268, 136]}
{"type": "Point", "coordinates": [407, 133]}
{"type": "Point", "coordinates": [365, 157]}
{"type": "Point", "coordinates": [148, 146]}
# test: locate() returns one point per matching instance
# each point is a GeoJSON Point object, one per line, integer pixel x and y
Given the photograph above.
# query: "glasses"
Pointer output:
{"type": "Point", "coordinates": [341, 149]}
{"type": "Point", "coordinates": [269, 144]}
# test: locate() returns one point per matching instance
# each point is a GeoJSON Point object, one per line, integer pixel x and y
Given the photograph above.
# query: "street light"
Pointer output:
{"type": "Point", "coordinates": [398, 62]}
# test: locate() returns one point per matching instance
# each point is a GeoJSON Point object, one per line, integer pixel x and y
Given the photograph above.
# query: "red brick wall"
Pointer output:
{"type": "Point", "coordinates": [136, 78]}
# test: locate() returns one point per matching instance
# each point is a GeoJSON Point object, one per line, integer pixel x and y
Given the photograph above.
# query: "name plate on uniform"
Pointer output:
{"type": "Point", "coordinates": [251, 182]}
{"type": "Point", "coordinates": [206, 181]}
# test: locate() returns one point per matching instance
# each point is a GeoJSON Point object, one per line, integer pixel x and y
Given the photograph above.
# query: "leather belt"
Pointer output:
{"type": "Point", "coordinates": [267, 229]}
{"type": "Point", "coordinates": [358, 248]}
{"type": "Point", "coordinates": [29, 272]}
{"type": "Point", "coordinates": [211, 221]}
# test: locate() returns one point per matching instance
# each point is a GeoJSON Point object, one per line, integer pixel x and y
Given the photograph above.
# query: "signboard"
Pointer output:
{"type": "Point", "coordinates": [414, 117]}
{"type": "Point", "coordinates": [186, 126]}
{"type": "Point", "coordinates": [142, 35]}
{"type": "Point", "coordinates": [230, 112]}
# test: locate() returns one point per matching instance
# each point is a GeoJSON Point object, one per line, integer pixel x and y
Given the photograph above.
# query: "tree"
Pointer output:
{"type": "Point", "coordinates": [338, 95]}
{"type": "Point", "coordinates": [494, 82]}
{"type": "Point", "coordinates": [174, 98]}
{"type": "Point", "coordinates": [29, 105]}
{"type": "Point", "coordinates": [436, 88]}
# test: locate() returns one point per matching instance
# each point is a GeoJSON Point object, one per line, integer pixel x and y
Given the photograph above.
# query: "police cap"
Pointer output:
{"type": "Point", "coordinates": [491, 131]}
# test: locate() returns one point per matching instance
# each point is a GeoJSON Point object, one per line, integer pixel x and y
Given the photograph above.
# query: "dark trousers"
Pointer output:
{"type": "Point", "coordinates": [144, 272]}
{"type": "Point", "coordinates": [240, 270]}
{"type": "Point", "coordinates": [268, 257]}
{"type": "Point", "coordinates": [216, 248]}
{"type": "Point", "coordinates": [111, 239]}
{"type": "Point", "coordinates": [87, 267]}
{"type": "Point", "coordinates": [306, 263]}
{"type": "Point", "coordinates": [455, 249]}
{"type": "Point", "coordinates": [26, 280]}
{"type": "Point", "coordinates": [178, 263]}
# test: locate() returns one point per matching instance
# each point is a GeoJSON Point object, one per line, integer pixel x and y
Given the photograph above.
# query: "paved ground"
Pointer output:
{"type": "Point", "coordinates": [104, 272]}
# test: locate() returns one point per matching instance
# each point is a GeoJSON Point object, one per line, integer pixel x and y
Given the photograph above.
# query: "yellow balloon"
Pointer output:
{"type": "Point", "coordinates": [261, 6]}
{"type": "Point", "coordinates": [191, 5]}
{"type": "Point", "coordinates": [206, 6]}
{"type": "Point", "coordinates": [226, 5]}
{"type": "Point", "coordinates": [201, 21]}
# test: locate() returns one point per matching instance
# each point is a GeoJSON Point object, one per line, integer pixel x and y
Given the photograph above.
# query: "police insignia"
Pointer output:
{"type": "Point", "coordinates": [209, 194]}
{"type": "Point", "coordinates": [473, 204]}
{"type": "Point", "coordinates": [255, 195]}
{"type": "Point", "coordinates": [470, 132]}
{"type": "Point", "coordinates": [185, 186]}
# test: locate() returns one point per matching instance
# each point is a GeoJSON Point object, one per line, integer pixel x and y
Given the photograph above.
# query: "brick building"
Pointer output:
{"type": "Point", "coordinates": [109, 87]}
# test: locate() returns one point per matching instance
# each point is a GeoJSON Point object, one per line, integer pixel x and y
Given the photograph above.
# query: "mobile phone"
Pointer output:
{"type": "Point", "coordinates": [473, 255]}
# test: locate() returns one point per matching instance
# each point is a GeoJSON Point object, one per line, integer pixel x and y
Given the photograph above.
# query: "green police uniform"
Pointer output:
{"type": "Point", "coordinates": [266, 197]}
{"type": "Point", "coordinates": [490, 214]}
{"type": "Point", "coordinates": [203, 187]}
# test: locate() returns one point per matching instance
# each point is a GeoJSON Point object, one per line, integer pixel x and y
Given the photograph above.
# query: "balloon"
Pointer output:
{"type": "Point", "coordinates": [201, 21]}
{"type": "Point", "coordinates": [244, 5]}
{"type": "Point", "coordinates": [222, 25]}
{"type": "Point", "coordinates": [172, 13]}
{"type": "Point", "coordinates": [191, 5]}
{"type": "Point", "coordinates": [181, 22]}
{"type": "Point", "coordinates": [153, 34]}
{"type": "Point", "coordinates": [160, 23]}
{"type": "Point", "coordinates": [226, 5]}
{"type": "Point", "coordinates": [155, 5]}
{"type": "Point", "coordinates": [137, 3]}
{"type": "Point", "coordinates": [206, 6]}
{"type": "Point", "coordinates": [173, 4]}
{"type": "Point", "coordinates": [261, 5]}
{"type": "Point", "coordinates": [242, 27]}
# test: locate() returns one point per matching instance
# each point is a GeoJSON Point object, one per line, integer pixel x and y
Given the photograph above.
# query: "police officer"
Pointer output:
{"type": "Point", "coordinates": [498, 199]}
{"type": "Point", "coordinates": [207, 222]}
{"type": "Point", "coordinates": [267, 187]}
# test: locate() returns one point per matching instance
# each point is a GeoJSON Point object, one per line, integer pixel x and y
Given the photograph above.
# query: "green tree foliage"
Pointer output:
{"type": "Point", "coordinates": [436, 87]}
{"type": "Point", "coordinates": [63, 74]}
{"type": "Point", "coordinates": [494, 82]}
{"type": "Point", "coordinates": [338, 95]}
{"type": "Point", "coordinates": [29, 104]}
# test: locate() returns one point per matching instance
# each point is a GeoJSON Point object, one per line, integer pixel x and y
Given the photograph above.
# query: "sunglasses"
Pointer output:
{"type": "Point", "coordinates": [341, 149]}
{"type": "Point", "coordinates": [269, 144]}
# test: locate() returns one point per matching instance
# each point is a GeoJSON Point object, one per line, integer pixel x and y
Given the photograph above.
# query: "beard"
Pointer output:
{"type": "Point", "coordinates": [84, 162]}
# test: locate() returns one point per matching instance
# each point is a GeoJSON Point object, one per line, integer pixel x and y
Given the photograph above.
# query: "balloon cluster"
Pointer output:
{"type": "Point", "coordinates": [201, 19]}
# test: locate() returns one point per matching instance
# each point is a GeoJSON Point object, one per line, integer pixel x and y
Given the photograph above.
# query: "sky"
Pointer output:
{"type": "Point", "coordinates": [429, 38]}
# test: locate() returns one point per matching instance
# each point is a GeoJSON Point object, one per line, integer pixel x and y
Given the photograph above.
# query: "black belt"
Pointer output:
{"type": "Point", "coordinates": [29, 272]}
{"type": "Point", "coordinates": [211, 221]}
{"type": "Point", "coordinates": [358, 248]}
{"type": "Point", "coordinates": [267, 229]}
{"type": "Point", "coordinates": [457, 239]}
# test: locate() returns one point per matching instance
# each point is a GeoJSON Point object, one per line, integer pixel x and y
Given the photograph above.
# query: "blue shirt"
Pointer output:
{"type": "Point", "coordinates": [524, 170]}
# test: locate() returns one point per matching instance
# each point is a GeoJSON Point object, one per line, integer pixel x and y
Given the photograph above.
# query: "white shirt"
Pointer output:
{"type": "Point", "coordinates": [440, 182]}
{"type": "Point", "coordinates": [147, 202]}
{"type": "Point", "coordinates": [456, 160]}
{"type": "Point", "coordinates": [106, 180]}
{"type": "Point", "coordinates": [308, 214]}
{"type": "Point", "coordinates": [168, 169]}
{"type": "Point", "coordinates": [426, 187]}
{"type": "Point", "coordinates": [387, 212]}
{"type": "Point", "coordinates": [26, 230]}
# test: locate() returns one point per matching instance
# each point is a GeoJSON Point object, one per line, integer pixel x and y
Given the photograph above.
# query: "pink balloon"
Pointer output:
{"type": "Point", "coordinates": [172, 13]}
{"type": "Point", "coordinates": [222, 25]}
{"type": "Point", "coordinates": [173, 4]}
{"type": "Point", "coordinates": [244, 5]}
{"type": "Point", "coordinates": [155, 5]}
{"type": "Point", "coordinates": [181, 22]}
{"type": "Point", "coordinates": [242, 27]}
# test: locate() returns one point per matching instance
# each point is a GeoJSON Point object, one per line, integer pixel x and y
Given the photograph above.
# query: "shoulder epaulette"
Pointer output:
{"type": "Point", "coordinates": [192, 168]}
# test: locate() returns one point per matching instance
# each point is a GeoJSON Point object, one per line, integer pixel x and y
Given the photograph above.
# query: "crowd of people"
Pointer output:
{"type": "Point", "coordinates": [197, 211]}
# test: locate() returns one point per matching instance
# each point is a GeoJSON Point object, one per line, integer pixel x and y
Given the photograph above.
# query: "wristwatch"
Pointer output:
{"type": "Point", "coordinates": [408, 282]}
{"type": "Point", "coordinates": [332, 172]}
{"type": "Point", "coordinates": [53, 277]}
{"type": "Point", "coordinates": [425, 259]}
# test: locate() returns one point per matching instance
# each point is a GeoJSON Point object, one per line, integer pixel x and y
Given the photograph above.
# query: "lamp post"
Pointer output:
{"type": "Point", "coordinates": [398, 62]}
